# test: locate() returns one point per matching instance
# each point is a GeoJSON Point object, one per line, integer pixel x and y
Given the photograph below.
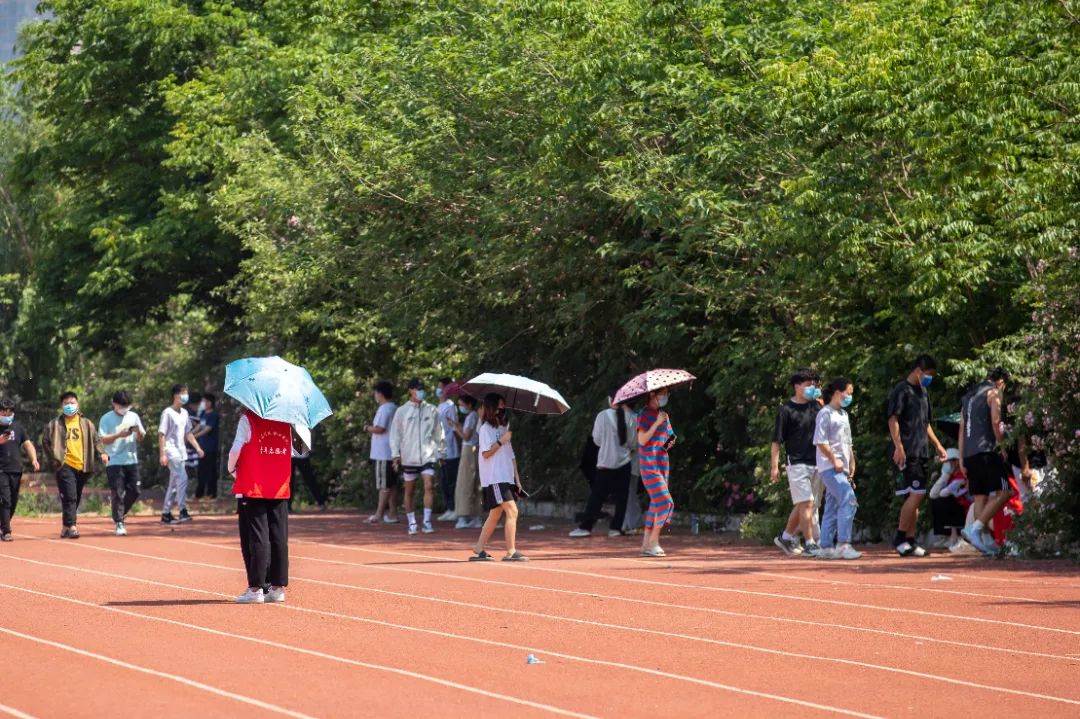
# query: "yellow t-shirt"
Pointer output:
{"type": "Point", "coordinates": [73, 454]}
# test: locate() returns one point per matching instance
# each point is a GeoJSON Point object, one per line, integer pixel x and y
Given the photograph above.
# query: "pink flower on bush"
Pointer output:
{"type": "Point", "coordinates": [1029, 419]}
{"type": "Point", "coordinates": [294, 221]}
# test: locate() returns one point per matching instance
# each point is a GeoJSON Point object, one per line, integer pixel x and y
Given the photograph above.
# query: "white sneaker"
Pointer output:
{"type": "Point", "coordinates": [391, 520]}
{"type": "Point", "coordinates": [614, 533]}
{"type": "Point", "coordinates": [120, 531]}
{"type": "Point", "coordinates": [846, 551]}
{"type": "Point", "coordinates": [826, 553]}
{"type": "Point", "coordinates": [579, 532]}
{"type": "Point", "coordinates": [447, 516]}
{"type": "Point", "coordinates": [251, 596]}
{"type": "Point", "coordinates": [374, 519]}
{"type": "Point", "coordinates": [476, 523]}
{"type": "Point", "coordinates": [412, 529]}
{"type": "Point", "coordinates": [276, 594]}
{"type": "Point", "coordinates": [462, 523]}
{"type": "Point", "coordinates": [427, 528]}
{"type": "Point", "coordinates": [653, 552]}
{"type": "Point", "coordinates": [963, 547]}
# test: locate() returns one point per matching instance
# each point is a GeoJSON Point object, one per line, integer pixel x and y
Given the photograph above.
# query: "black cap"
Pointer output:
{"type": "Point", "coordinates": [415, 383]}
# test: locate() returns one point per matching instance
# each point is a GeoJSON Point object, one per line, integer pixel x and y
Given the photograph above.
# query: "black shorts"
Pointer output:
{"type": "Point", "coordinates": [912, 479]}
{"type": "Point", "coordinates": [987, 474]}
{"type": "Point", "coordinates": [385, 476]}
{"type": "Point", "coordinates": [496, 494]}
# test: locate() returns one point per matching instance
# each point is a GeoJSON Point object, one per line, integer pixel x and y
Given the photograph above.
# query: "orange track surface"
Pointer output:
{"type": "Point", "coordinates": [381, 624]}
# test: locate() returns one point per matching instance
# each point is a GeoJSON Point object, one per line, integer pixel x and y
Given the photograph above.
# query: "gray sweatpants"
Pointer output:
{"type": "Point", "coordinates": [177, 491]}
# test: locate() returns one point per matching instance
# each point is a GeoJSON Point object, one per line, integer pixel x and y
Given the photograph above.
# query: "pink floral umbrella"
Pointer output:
{"type": "Point", "coordinates": [651, 381]}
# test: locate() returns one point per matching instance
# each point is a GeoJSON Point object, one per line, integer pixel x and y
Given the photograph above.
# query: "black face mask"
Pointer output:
{"type": "Point", "coordinates": [501, 414]}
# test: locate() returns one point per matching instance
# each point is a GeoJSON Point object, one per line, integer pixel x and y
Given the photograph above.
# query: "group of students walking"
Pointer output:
{"type": "Point", "coordinates": [813, 430]}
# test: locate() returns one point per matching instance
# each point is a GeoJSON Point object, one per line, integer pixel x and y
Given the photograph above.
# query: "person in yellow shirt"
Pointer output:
{"type": "Point", "coordinates": [72, 446]}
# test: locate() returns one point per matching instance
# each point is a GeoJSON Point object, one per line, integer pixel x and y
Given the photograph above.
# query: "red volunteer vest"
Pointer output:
{"type": "Point", "coordinates": [264, 468]}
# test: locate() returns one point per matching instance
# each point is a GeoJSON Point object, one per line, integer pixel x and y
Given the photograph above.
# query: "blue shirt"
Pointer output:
{"type": "Point", "coordinates": [209, 441]}
{"type": "Point", "coordinates": [124, 450]}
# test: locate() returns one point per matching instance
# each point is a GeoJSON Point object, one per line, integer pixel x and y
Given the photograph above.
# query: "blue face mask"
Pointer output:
{"type": "Point", "coordinates": [184, 398]}
{"type": "Point", "coordinates": [420, 394]}
{"type": "Point", "coordinates": [846, 401]}
{"type": "Point", "coordinates": [812, 392]}
{"type": "Point", "coordinates": [462, 410]}
{"type": "Point", "coordinates": [663, 400]}
{"type": "Point", "coordinates": [6, 419]}
{"type": "Point", "coordinates": [71, 409]}
{"type": "Point", "coordinates": [926, 380]}
{"type": "Point", "coordinates": [438, 393]}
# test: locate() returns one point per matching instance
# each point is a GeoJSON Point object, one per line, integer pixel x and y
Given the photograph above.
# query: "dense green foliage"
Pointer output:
{"type": "Point", "coordinates": [571, 190]}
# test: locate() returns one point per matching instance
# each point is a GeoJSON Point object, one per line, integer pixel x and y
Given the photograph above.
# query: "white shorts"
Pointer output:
{"type": "Point", "coordinates": [804, 482]}
{"type": "Point", "coordinates": [411, 474]}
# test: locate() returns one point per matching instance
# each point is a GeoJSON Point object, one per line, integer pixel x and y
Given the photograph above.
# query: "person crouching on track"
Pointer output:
{"type": "Point", "coordinates": [499, 479]}
{"type": "Point", "coordinates": [261, 462]}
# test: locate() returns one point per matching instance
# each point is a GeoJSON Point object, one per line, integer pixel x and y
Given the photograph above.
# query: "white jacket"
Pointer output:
{"type": "Point", "coordinates": [416, 435]}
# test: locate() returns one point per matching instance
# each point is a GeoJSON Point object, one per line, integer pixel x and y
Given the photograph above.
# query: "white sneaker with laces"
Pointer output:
{"type": "Point", "coordinates": [120, 530]}
{"type": "Point", "coordinates": [412, 529]}
{"type": "Point", "coordinates": [276, 595]}
{"type": "Point", "coordinates": [846, 551]}
{"type": "Point", "coordinates": [253, 595]}
{"type": "Point", "coordinates": [427, 528]}
{"type": "Point", "coordinates": [462, 523]}
{"type": "Point", "coordinates": [579, 532]}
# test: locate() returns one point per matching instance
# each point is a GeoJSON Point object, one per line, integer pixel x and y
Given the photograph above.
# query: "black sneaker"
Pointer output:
{"type": "Point", "coordinates": [184, 516]}
{"type": "Point", "coordinates": [481, 557]}
{"type": "Point", "coordinates": [167, 518]}
{"type": "Point", "coordinates": [6, 537]}
{"type": "Point", "coordinates": [790, 547]}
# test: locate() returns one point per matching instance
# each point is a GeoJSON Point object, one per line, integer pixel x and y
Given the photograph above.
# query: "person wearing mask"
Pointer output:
{"type": "Point", "coordinates": [13, 438]}
{"type": "Point", "coordinates": [912, 437]}
{"type": "Point", "coordinates": [836, 465]}
{"type": "Point", "coordinates": [983, 459]}
{"type": "Point", "coordinates": [795, 432]}
{"type": "Point", "coordinates": [655, 437]}
{"type": "Point", "coordinates": [174, 434]}
{"type": "Point", "coordinates": [260, 460]}
{"type": "Point", "coordinates": [499, 480]}
{"type": "Point", "coordinates": [207, 435]}
{"type": "Point", "coordinates": [121, 431]}
{"type": "Point", "coordinates": [386, 482]}
{"type": "Point", "coordinates": [613, 432]}
{"type": "Point", "coordinates": [72, 446]}
{"type": "Point", "coordinates": [467, 495]}
{"type": "Point", "coordinates": [447, 396]}
{"type": "Point", "coordinates": [416, 443]}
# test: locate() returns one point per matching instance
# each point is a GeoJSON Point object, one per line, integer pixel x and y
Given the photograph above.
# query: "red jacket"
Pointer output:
{"type": "Point", "coordinates": [264, 467]}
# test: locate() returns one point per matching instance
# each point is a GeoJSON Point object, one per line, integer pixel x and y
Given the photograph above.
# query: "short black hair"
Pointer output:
{"type": "Point", "coordinates": [415, 383]}
{"type": "Point", "coordinates": [923, 362]}
{"type": "Point", "coordinates": [178, 388]}
{"type": "Point", "coordinates": [803, 374]}
{"type": "Point", "coordinates": [69, 395]}
{"type": "Point", "coordinates": [838, 384]}
{"type": "Point", "coordinates": [7, 404]}
{"type": "Point", "coordinates": [385, 388]}
{"type": "Point", "coordinates": [194, 398]}
{"type": "Point", "coordinates": [209, 397]}
{"type": "Point", "coordinates": [122, 398]}
{"type": "Point", "coordinates": [469, 400]}
{"type": "Point", "coordinates": [445, 381]}
{"type": "Point", "coordinates": [997, 373]}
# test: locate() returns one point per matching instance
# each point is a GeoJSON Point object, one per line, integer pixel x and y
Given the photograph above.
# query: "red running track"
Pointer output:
{"type": "Point", "coordinates": [379, 623]}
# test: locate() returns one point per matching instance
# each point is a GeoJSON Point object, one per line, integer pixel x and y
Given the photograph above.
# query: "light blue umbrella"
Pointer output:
{"type": "Point", "coordinates": [275, 389]}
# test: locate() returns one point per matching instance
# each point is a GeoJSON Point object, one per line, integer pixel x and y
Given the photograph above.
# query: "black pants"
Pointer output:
{"type": "Point", "coordinates": [608, 482]}
{"type": "Point", "coordinates": [9, 498]}
{"type": "Point", "coordinates": [70, 483]}
{"type": "Point", "coordinates": [303, 467]}
{"type": "Point", "coordinates": [124, 484]}
{"type": "Point", "coordinates": [264, 541]}
{"type": "Point", "coordinates": [948, 514]}
{"type": "Point", "coordinates": [449, 481]}
{"type": "Point", "coordinates": [208, 476]}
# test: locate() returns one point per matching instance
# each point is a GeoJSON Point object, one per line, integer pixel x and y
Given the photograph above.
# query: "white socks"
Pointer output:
{"type": "Point", "coordinates": [427, 516]}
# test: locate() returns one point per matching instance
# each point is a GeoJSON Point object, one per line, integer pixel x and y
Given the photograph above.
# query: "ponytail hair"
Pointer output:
{"type": "Point", "coordinates": [837, 385]}
{"type": "Point", "coordinates": [620, 416]}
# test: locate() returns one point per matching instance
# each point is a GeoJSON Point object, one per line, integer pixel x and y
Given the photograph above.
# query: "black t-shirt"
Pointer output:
{"type": "Point", "coordinates": [11, 451]}
{"type": "Point", "coordinates": [911, 405]}
{"type": "Point", "coordinates": [209, 441]}
{"type": "Point", "coordinates": [795, 430]}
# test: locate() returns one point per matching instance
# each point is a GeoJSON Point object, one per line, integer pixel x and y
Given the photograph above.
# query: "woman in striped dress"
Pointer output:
{"type": "Point", "coordinates": [655, 438]}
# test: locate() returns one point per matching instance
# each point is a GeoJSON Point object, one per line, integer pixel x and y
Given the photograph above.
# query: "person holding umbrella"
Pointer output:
{"type": "Point", "coordinates": [416, 443]}
{"type": "Point", "coordinates": [278, 398]}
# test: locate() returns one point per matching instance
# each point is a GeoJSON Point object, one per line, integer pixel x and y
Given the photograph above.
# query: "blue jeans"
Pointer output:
{"type": "Point", "coordinates": [840, 506]}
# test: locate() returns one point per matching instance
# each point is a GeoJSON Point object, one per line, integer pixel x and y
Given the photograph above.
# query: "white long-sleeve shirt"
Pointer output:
{"type": "Point", "coordinates": [416, 435]}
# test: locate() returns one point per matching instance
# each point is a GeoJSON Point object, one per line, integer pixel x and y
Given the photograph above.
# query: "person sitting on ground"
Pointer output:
{"type": "Point", "coordinates": [499, 480]}
{"type": "Point", "coordinates": [947, 503]}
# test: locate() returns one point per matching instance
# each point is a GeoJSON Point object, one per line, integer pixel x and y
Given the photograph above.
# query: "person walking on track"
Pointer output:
{"type": "Point", "coordinates": [173, 431]}
{"type": "Point", "coordinates": [613, 433]}
{"type": "Point", "coordinates": [499, 480]}
{"type": "Point", "coordinates": [416, 443]}
{"type": "Point", "coordinates": [121, 431]}
{"type": "Point", "coordinates": [72, 445]}
{"type": "Point", "coordinates": [983, 459]}
{"type": "Point", "coordinates": [655, 438]}
{"type": "Point", "coordinates": [261, 463]}
{"type": "Point", "coordinates": [836, 465]}
{"type": "Point", "coordinates": [795, 433]}
{"type": "Point", "coordinates": [13, 437]}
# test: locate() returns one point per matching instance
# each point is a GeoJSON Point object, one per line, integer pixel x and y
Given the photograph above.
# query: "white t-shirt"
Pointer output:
{"type": "Point", "coordinates": [448, 414]}
{"type": "Point", "coordinates": [471, 422]}
{"type": "Point", "coordinates": [832, 428]}
{"type": "Point", "coordinates": [499, 468]}
{"type": "Point", "coordinates": [174, 425]}
{"type": "Point", "coordinates": [380, 443]}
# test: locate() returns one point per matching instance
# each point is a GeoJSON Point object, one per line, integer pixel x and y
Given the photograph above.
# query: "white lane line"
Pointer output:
{"type": "Point", "coordinates": [531, 567]}
{"type": "Point", "coordinates": [432, 632]}
{"type": "Point", "coordinates": [12, 711]}
{"type": "Point", "coordinates": [613, 597]}
{"type": "Point", "coordinates": [280, 645]}
{"type": "Point", "coordinates": [144, 670]}
{"type": "Point", "coordinates": [733, 645]}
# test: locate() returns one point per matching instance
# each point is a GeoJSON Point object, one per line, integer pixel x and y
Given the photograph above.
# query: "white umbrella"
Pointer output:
{"type": "Point", "coordinates": [520, 393]}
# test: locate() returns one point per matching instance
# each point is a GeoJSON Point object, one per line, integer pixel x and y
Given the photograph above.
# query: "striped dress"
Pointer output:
{"type": "Point", "coordinates": [653, 460]}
